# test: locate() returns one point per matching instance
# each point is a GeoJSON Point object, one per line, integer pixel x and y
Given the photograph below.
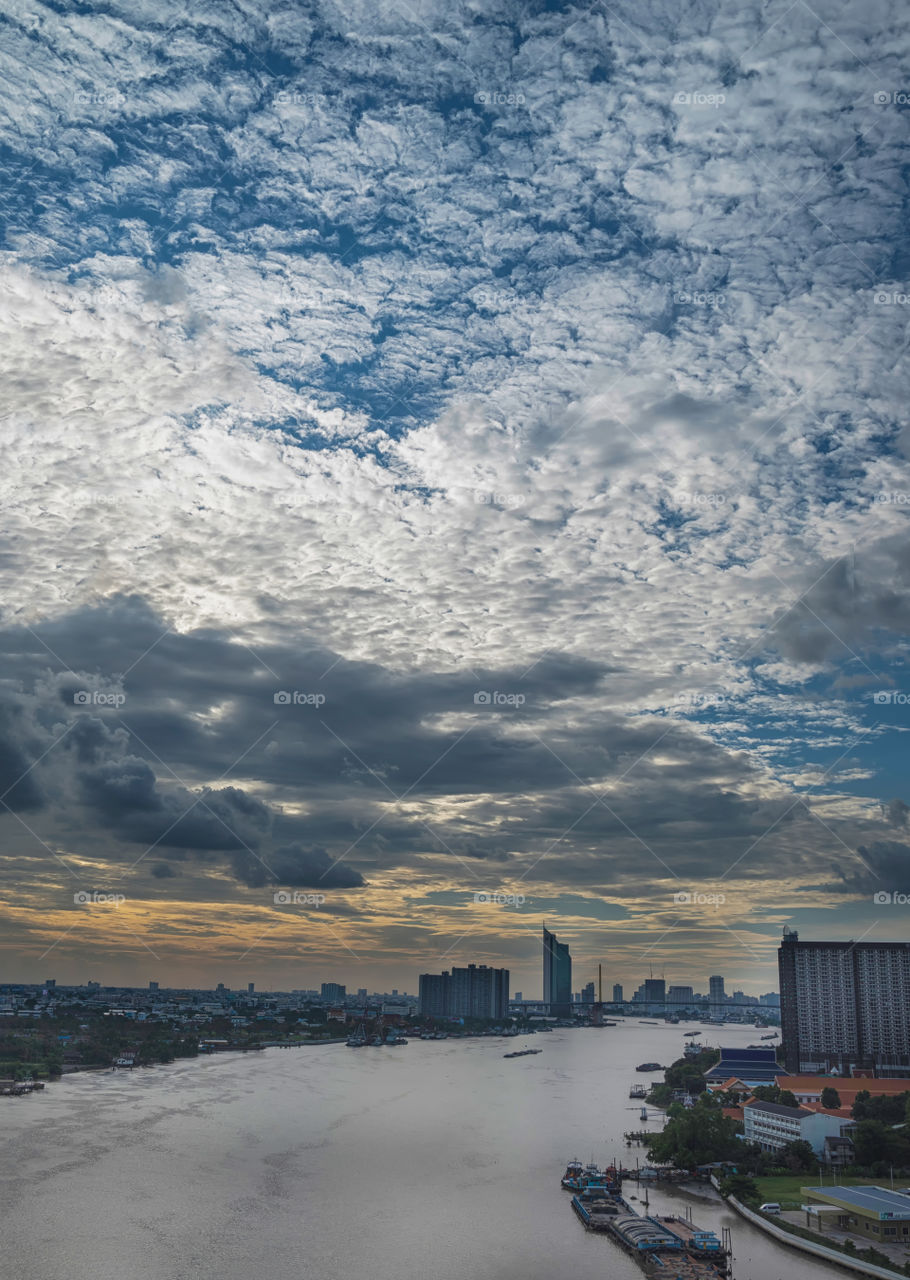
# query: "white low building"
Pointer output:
{"type": "Point", "coordinates": [773, 1126]}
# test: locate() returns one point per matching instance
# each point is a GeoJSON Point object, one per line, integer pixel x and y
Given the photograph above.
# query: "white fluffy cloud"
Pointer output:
{"type": "Point", "coordinates": [450, 340]}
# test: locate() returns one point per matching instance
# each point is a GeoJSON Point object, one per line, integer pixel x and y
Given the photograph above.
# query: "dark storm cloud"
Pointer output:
{"type": "Point", "coordinates": [201, 759]}
{"type": "Point", "coordinates": [895, 812]}
{"type": "Point", "coordinates": [882, 865]}
{"type": "Point", "coordinates": [855, 600]}
{"type": "Point", "coordinates": [297, 866]}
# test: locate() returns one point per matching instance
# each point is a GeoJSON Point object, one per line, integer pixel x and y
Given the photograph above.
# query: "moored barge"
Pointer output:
{"type": "Point", "coordinates": [671, 1247]}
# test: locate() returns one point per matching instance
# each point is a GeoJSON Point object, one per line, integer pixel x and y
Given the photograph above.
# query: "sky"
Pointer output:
{"type": "Point", "coordinates": [454, 477]}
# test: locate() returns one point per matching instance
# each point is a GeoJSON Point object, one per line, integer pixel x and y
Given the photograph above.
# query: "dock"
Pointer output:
{"type": "Point", "coordinates": [672, 1247]}
{"type": "Point", "coordinates": [16, 1088]}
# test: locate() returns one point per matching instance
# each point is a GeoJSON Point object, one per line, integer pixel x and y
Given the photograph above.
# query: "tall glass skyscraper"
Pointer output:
{"type": "Point", "coordinates": [557, 975]}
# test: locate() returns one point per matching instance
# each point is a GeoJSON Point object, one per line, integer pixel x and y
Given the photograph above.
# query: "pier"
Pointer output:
{"type": "Point", "coordinates": [671, 1246]}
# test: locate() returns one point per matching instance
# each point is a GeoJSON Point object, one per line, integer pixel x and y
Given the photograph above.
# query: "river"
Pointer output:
{"type": "Point", "coordinates": [435, 1161]}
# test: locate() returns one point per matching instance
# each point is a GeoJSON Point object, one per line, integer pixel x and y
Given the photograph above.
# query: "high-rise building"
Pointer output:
{"type": "Point", "coordinates": [716, 993]}
{"type": "Point", "coordinates": [153, 986]}
{"type": "Point", "coordinates": [680, 996]}
{"type": "Point", "coordinates": [433, 994]}
{"type": "Point", "coordinates": [845, 1005]}
{"type": "Point", "coordinates": [474, 992]}
{"type": "Point", "coordinates": [479, 992]}
{"type": "Point", "coordinates": [51, 983]}
{"type": "Point", "coordinates": [250, 988]}
{"type": "Point", "coordinates": [333, 991]}
{"type": "Point", "coordinates": [587, 993]}
{"type": "Point", "coordinates": [617, 993]}
{"type": "Point", "coordinates": [518, 996]}
{"type": "Point", "coordinates": [655, 994]}
{"type": "Point", "coordinates": [361, 993]}
{"type": "Point", "coordinates": [557, 975]}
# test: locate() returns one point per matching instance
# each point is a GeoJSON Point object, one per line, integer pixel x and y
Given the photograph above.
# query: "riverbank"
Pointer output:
{"type": "Point", "coordinates": [816, 1249]}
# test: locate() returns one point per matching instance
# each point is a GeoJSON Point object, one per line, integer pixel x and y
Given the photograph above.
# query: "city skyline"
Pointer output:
{"type": "Point", "coordinates": [633, 984]}
{"type": "Point", "coordinates": [450, 488]}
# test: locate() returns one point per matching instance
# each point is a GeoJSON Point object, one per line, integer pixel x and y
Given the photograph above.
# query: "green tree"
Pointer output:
{"type": "Point", "coordinates": [799, 1157]}
{"type": "Point", "coordinates": [695, 1135]}
{"type": "Point", "coordinates": [830, 1097]}
{"type": "Point", "coordinates": [873, 1142]}
{"type": "Point", "coordinates": [861, 1105]}
{"type": "Point", "coordinates": [741, 1186]}
{"type": "Point", "coordinates": [766, 1093]}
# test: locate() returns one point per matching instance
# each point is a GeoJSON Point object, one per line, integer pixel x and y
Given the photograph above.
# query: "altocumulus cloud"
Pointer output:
{"type": "Point", "coordinates": [401, 358]}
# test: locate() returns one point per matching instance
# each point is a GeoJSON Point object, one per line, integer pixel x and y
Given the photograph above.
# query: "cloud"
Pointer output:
{"type": "Point", "coordinates": [552, 354]}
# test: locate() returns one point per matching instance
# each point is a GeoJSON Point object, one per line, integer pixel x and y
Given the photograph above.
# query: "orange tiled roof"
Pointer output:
{"type": "Point", "coordinates": [847, 1086]}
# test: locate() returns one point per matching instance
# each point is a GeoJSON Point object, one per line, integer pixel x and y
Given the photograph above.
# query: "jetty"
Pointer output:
{"type": "Point", "coordinates": [16, 1088]}
{"type": "Point", "coordinates": [670, 1246]}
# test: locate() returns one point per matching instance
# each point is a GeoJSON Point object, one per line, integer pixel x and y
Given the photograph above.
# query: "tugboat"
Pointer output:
{"type": "Point", "coordinates": [357, 1039]}
{"type": "Point", "coordinates": [572, 1178]}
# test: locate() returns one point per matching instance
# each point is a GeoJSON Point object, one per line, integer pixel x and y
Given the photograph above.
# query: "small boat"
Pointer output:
{"type": "Point", "coordinates": [571, 1179]}
{"type": "Point", "coordinates": [692, 1033]}
{"type": "Point", "coordinates": [772, 1036]}
{"type": "Point", "coordinates": [638, 1091]}
{"type": "Point", "coordinates": [649, 1066]}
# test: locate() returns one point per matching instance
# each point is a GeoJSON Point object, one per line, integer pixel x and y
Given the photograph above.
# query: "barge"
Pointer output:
{"type": "Point", "coordinates": [671, 1247]}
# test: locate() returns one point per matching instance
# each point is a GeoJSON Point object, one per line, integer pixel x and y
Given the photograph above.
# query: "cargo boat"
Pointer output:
{"type": "Point", "coordinates": [638, 1091]}
{"type": "Point", "coordinates": [589, 1177]}
{"type": "Point", "coordinates": [671, 1247]}
{"type": "Point", "coordinates": [649, 1066]}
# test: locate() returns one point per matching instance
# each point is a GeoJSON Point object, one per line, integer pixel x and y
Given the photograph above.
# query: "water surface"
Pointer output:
{"type": "Point", "coordinates": [437, 1161]}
